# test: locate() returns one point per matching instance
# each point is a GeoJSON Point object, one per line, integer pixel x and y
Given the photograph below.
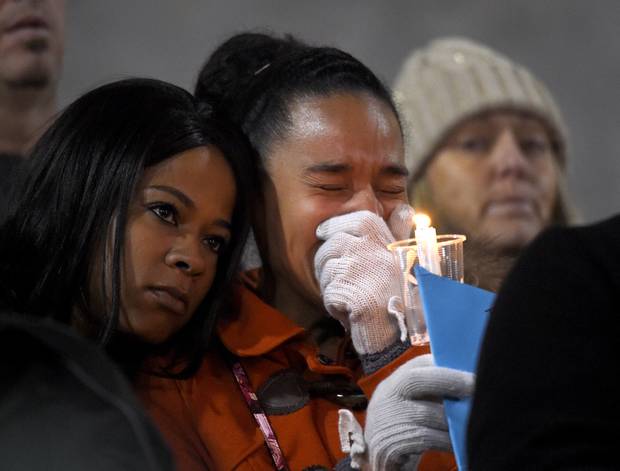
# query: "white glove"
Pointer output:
{"type": "Point", "coordinates": [359, 279]}
{"type": "Point", "coordinates": [405, 416]}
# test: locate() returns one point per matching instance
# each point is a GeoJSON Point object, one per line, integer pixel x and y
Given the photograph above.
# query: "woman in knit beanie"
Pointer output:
{"type": "Point", "coordinates": [486, 150]}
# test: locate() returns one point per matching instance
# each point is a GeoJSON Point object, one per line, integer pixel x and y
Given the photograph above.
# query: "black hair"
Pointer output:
{"type": "Point", "coordinates": [82, 176]}
{"type": "Point", "coordinates": [255, 77]}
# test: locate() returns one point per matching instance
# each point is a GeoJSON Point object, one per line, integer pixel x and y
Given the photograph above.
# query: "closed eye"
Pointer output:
{"type": "Point", "coordinates": [331, 187]}
{"type": "Point", "coordinates": [165, 211]}
{"type": "Point", "coordinates": [393, 190]}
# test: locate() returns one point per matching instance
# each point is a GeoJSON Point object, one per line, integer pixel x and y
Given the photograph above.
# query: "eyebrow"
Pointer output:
{"type": "Point", "coordinates": [186, 200]}
{"type": "Point", "coordinates": [391, 169]}
{"type": "Point", "coordinates": [223, 223]}
{"type": "Point", "coordinates": [395, 170]}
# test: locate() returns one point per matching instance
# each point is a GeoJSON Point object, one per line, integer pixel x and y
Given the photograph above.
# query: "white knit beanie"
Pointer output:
{"type": "Point", "coordinates": [454, 78]}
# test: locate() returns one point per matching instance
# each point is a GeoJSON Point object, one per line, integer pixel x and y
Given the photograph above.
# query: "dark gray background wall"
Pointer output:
{"type": "Point", "coordinates": [572, 45]}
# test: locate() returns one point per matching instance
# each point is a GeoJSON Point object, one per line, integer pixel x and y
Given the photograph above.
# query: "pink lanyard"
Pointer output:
{"type": "Point", "coordinates": [261, 419]}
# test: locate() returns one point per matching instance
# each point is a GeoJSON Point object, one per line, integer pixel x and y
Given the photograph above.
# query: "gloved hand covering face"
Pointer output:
{"type": "Point", "coordinates": [405, 416]}
{"type": "Point", "coordinates": [359, 279]}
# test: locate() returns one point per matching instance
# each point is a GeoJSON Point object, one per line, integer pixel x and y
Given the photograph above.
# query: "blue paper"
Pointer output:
{"type": "Point", "coordinates": [456, 316]}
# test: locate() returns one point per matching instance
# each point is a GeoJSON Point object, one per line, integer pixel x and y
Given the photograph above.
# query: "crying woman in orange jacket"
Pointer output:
{"type": "Point", "coordinates": [332, 180]}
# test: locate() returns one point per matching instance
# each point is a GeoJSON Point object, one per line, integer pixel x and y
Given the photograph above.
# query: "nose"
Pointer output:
{"type": "Point", "coordinates": [187, 255]}
{"type": "Point", "coordinates": [365, 199]}
{"type": "Point", "coordinates": [507, 157]}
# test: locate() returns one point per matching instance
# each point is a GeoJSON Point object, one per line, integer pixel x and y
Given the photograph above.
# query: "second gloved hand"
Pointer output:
{"type": "Point", "coordinates": [405, 416]}
{"type": "Point", "coordinates": [359, 279]}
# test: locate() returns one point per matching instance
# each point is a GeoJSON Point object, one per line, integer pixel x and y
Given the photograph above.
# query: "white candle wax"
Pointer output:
{"type": "Point", "coordinates": [426, 244]}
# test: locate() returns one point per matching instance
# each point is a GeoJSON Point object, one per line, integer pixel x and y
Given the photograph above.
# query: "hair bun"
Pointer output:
{"type": "Point", "coordinates": [235, 64]}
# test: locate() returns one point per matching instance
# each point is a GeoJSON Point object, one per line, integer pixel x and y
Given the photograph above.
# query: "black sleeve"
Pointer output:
{"type": "Point", "coordinates": [545, 392]}
{"type": "Point", "coordinates": [65, 406]}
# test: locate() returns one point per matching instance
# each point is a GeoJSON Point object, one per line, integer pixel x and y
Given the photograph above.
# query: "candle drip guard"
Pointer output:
{"type": "Point", "coordinates": [450, 255]}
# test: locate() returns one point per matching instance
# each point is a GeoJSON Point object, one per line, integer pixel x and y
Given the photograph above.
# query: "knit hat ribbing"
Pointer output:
{"type": "Point", "coordinates": [454, 78]}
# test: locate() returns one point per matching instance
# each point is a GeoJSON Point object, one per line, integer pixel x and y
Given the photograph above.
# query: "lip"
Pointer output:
{"type": "Point", "coordinates": [512, 206]}
{"type": "Point", "coordinates": [27, 28]}
{"type": "Point", "coordinates": [28, 22]}
{"type": "Point", "coordinates": [171, 298]}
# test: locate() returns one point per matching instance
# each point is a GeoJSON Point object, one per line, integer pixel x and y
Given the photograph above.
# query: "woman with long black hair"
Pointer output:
{"type": "Point", "coordinates": [114, 161]}
{"type": "Point", "coordinates": [127, 228]}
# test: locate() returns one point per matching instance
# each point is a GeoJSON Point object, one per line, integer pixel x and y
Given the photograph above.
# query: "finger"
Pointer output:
{"type": "Point", "coordinates": [432, 439]}
{"type": "Point", "coordinates": [429, 414]}
{"type": "Point", "coordinates": [332, 248]}
{"type": "Point", "coordinates": [358, 223]}
{"type": "Point", "coordinates": [436, 382]}
{"type": "Point", "coordinates": [337, 308]}
{"type": "Point", "coordinates": [404, 372]}
{"type": "Point", "coordinates": [401, 221]}
{"type": "Point", "coordinates": [390, 453]}
{"type": "Point", "coordinates": [331, 271]}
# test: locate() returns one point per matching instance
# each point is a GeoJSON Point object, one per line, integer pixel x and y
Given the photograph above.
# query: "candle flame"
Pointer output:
{"type": "Point", "coordinates": [422, 221]}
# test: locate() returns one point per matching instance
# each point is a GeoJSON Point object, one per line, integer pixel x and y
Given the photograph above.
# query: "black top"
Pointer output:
{"type": "Point", "coordinates": [65, 406]}
{"type": "Point", "coordinates": [546, 394]}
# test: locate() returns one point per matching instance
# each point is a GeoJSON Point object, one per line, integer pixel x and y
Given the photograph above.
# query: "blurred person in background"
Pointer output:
{"type": "Point", "coordinates": [31, 50]}
{"type": "Point", "coordinates": [486, 151]}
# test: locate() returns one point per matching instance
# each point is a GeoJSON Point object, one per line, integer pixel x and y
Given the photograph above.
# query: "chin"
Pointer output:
{"type": "Point", "coordinates": [33, 71]}
{"type": "Point", "coordinates": [36, 77]}
{"type": "Point", "coordinates": [511, 236]}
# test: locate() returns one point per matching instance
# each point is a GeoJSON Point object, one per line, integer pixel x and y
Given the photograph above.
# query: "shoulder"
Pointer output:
{"type": "Point", "coordinates": [583, 258]}
{"type": "Point", "coordinates": [595, 240]}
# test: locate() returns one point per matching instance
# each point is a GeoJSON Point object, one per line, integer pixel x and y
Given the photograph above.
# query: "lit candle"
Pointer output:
{"type": "Point", "coordinates": [426, 243]}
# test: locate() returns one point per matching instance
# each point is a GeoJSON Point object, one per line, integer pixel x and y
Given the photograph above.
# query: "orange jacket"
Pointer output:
{"type": "Point", "coordinates": [208, 424]}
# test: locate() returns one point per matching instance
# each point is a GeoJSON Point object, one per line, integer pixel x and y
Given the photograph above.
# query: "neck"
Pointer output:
{"type": "Point", "coordinates": [324, 331]}
{"type": "Point", "coordinates": [486, 267]}
{"type": "Point", "coordinates": [24, 113]}
{"type": "Point", "coordinates": [297, 308]}
{"type": "Point", "coordinates": [280, 294]}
